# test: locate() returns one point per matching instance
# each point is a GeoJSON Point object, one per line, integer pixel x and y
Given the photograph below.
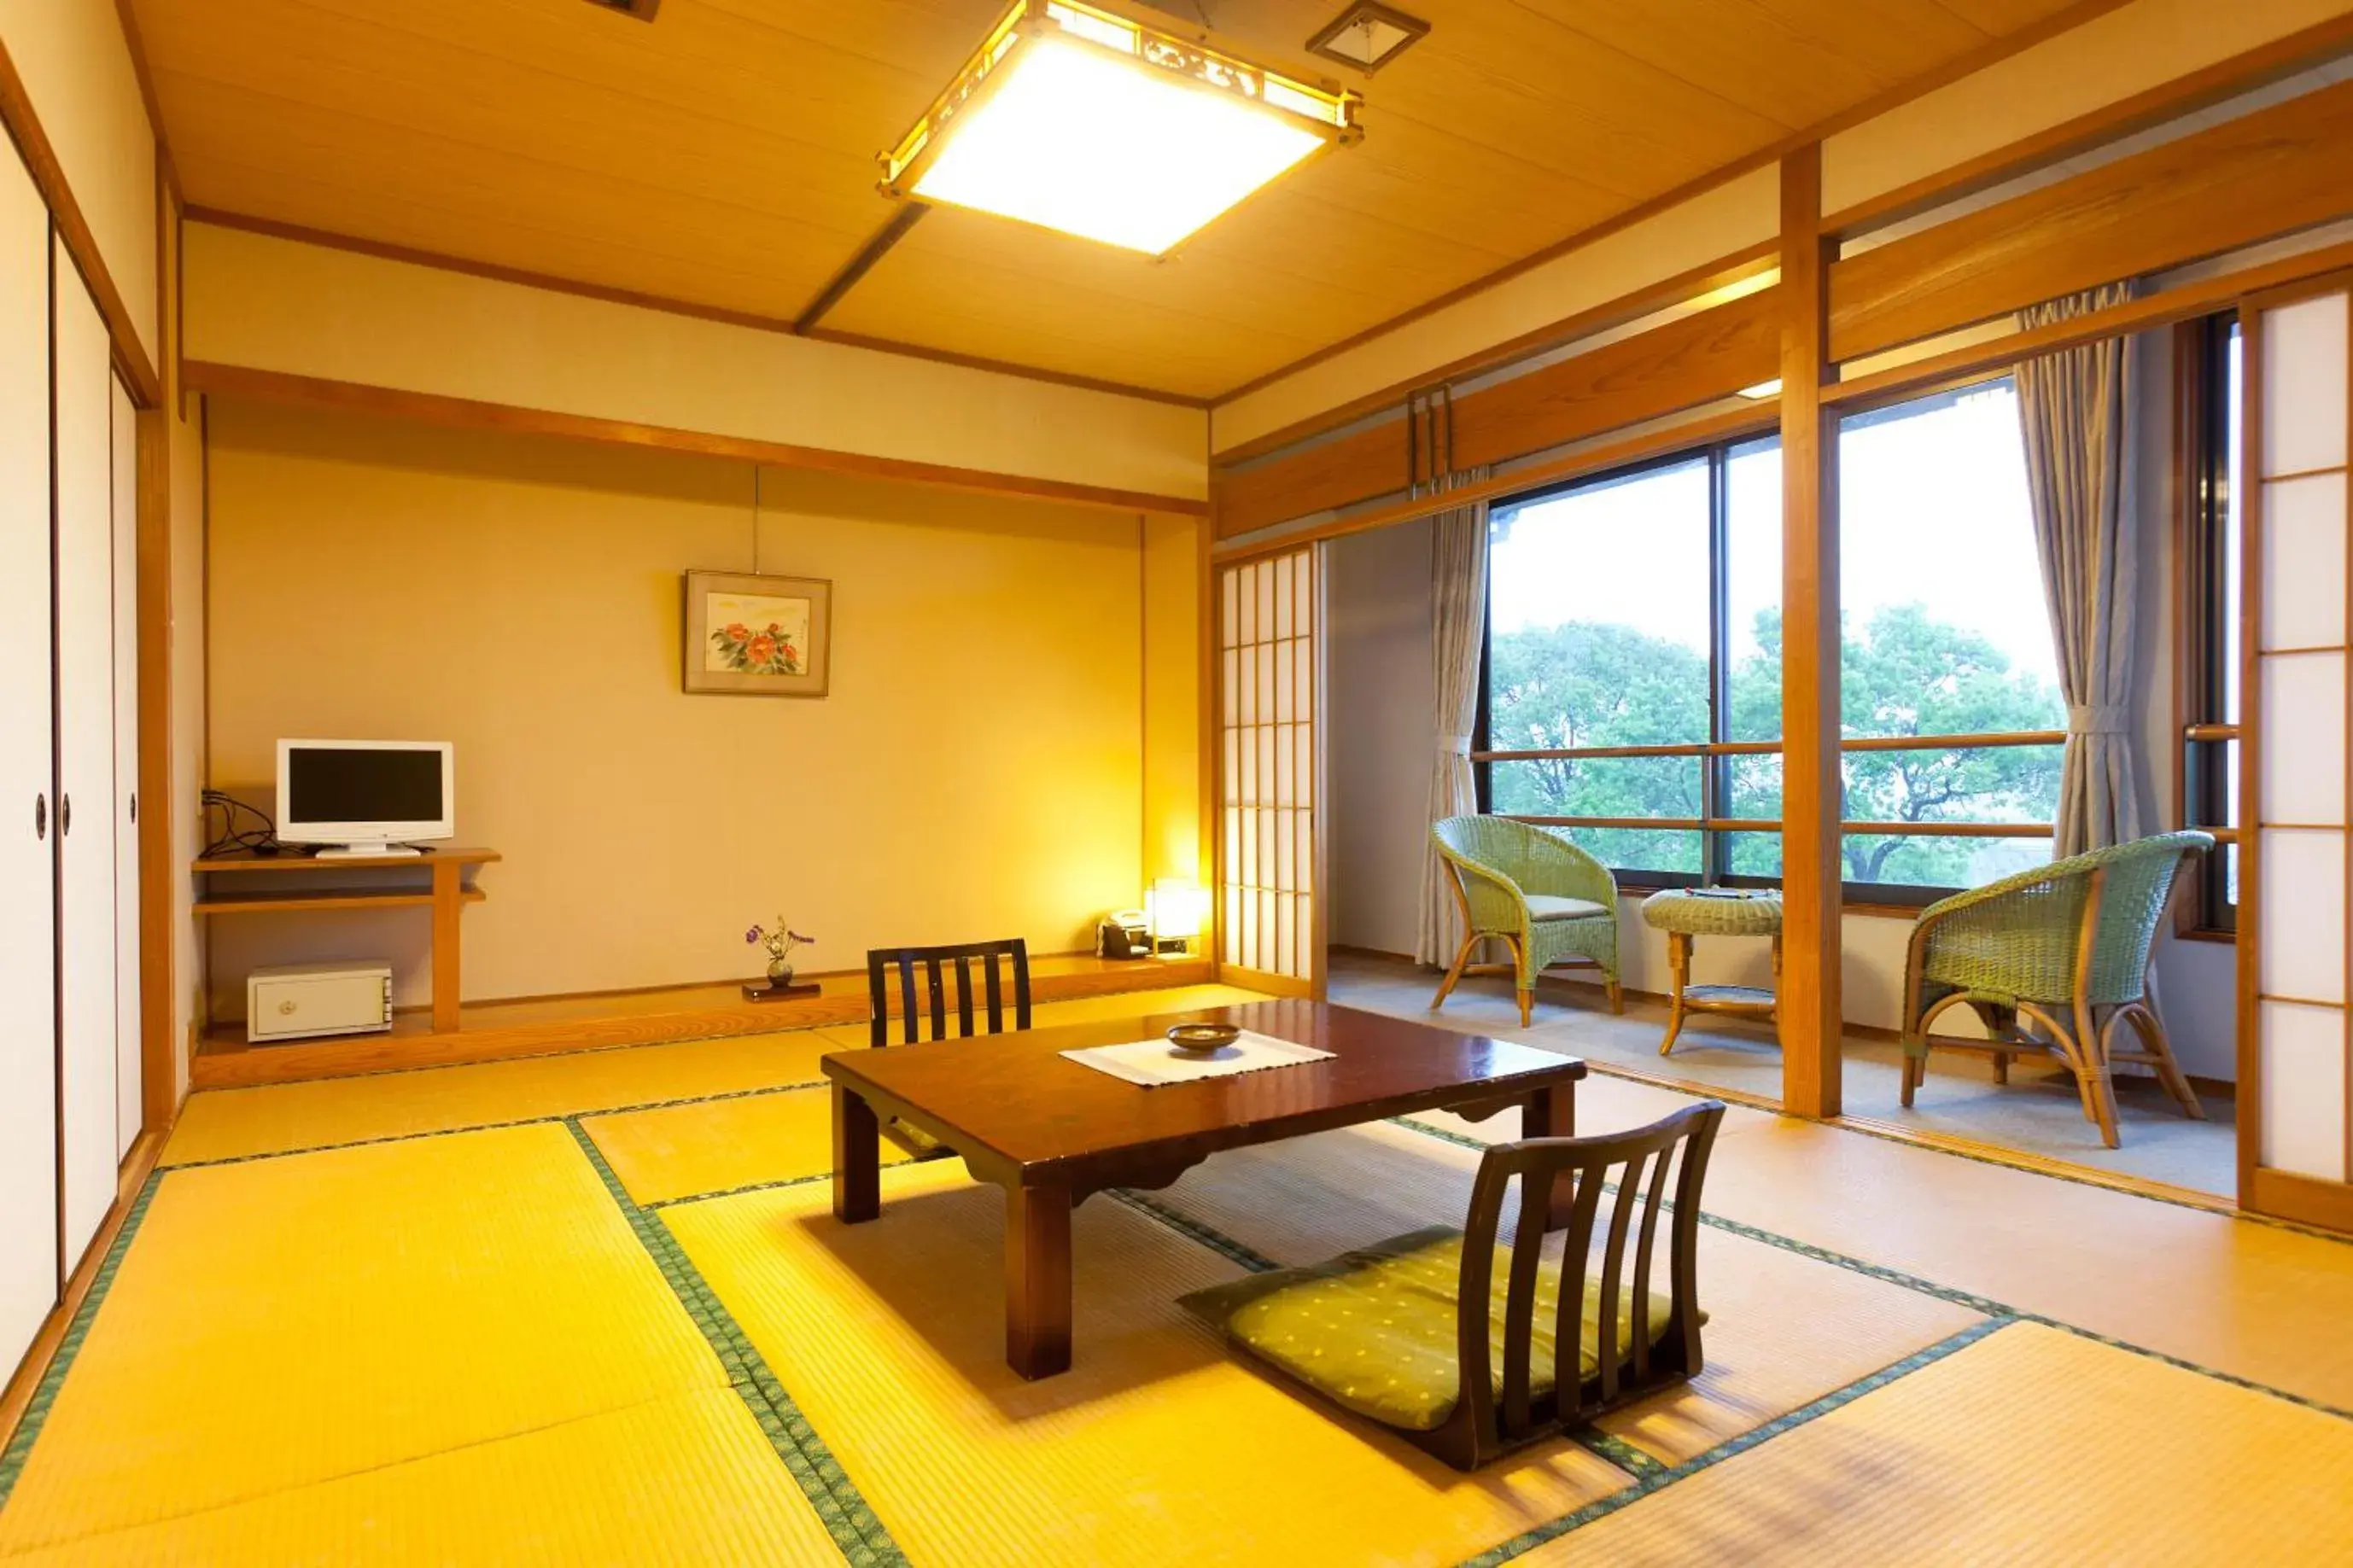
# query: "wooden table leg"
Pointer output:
{"type": "Point", "coordinates": [1552, 1114]}
{"type": "Point", "coordinates": [1679, 947]}
{"type": "Point", "coordinates": [856, 1159]}
{"type": "Point", "coordinates": [448, 895]}
{"type": "Point", "coordinates": [1037, 1280]}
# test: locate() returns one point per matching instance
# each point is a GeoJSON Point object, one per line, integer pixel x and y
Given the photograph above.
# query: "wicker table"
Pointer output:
{"type": "Point", "coordinates": [1685, 915]}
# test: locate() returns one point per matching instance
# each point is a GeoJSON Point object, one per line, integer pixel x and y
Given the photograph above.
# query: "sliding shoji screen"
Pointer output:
{"type": "Point", "coordinates": [1270, 612]}
{"type": "Point", "coordinates": [2296, 1102]}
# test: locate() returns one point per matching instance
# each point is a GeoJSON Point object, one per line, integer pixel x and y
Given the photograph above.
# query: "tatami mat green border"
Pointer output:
{"type": "Point", "coordinates": [1661, 1476]}
{"type": "Point", "coordinates": [855, 1530]}
{"type": "Point", "coordinates": [36, 1410]}
{"type": "Point", "coordinates": [543, 1119]}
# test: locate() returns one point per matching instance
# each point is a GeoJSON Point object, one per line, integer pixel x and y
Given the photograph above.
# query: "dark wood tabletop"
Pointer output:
{"type": "Point", "coordinates": [1051, 1131]}
{"type": "Point", "coordinates": [1018, 1110]}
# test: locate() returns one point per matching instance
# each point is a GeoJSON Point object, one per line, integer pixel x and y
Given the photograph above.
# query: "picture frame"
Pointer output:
{"type": "Point", "coordinates": [750, 635]}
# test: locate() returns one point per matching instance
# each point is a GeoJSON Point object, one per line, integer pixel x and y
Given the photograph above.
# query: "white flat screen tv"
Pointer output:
{"type": "Point", "coordinates": [364, 797]}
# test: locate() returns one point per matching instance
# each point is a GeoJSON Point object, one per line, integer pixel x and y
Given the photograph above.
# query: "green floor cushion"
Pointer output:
{"type": "Point", "coordinates": [1375, 1329]}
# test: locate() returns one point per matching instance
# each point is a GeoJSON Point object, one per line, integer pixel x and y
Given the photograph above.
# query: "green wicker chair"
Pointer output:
{"type": "Point", "coordinates": [1547, 900]}
{"type": "Point", "coordinates": [2063, 948]}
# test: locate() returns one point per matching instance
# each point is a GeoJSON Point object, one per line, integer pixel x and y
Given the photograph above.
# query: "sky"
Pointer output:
{"type": "Point", "coordinates": [1933, 510]}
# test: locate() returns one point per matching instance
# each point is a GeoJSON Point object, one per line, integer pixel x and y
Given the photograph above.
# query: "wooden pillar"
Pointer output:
{"type": "Point", "coordinates": [158, 807]}
{"type": "Point", "coordinates": [1811, 797]}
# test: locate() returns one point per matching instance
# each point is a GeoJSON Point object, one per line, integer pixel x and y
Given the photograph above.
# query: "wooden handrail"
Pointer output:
{"type": "Point", "coordinates": [1772, 748]}
{"type": "Point", "coordinates": [1766, 824]}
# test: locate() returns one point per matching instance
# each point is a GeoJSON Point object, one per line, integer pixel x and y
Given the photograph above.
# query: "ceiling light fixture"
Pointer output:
{"type": "Point", "coordinates": [1368, 37]}
{"type": "Point", "coordinates": [1080, 121]}
{"type": "Point", "coordinates": [1762, 390]}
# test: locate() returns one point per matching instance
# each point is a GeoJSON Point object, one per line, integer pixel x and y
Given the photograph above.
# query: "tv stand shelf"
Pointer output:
{"type": "Point", "coordinates": [443, 890]}
{"type": "Point", "coordinates": [284, 900]}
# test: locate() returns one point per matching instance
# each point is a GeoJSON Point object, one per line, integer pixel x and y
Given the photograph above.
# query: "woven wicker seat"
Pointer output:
{"type": "Point", "coordinates": [2053, 960]}
{"type": "Point", "coordinates": [1496, 866]}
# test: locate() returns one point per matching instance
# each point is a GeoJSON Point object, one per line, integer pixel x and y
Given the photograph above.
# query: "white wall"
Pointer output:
{"type": "Point", "coordinates": [75, 66]}
{"type": "Point", "coordinates": [1380, 741]}
{"type": "Point", "coordinates": [1382, 705]}
{"type": "Point", "coordinates": [264, 303]}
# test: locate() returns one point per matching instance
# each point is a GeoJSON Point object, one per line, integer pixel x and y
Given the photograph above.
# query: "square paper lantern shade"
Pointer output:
{"type": "Point", "coordinates": [1088, 125]}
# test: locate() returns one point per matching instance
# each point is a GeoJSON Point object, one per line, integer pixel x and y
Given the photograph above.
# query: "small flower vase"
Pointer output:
{"type": "Point", "coordinates": [780, 974]}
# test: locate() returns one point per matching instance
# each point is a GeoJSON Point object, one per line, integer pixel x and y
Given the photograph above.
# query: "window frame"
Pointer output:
{"type": "Point", "coordinates": [2204, 654]}
{"type": "Point", "coordinates": [1715, 755]}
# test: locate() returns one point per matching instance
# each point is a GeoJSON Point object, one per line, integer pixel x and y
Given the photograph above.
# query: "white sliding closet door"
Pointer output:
{"type": "Point", "coordinates": [125, 489]}
{"type": "Point", "coordinates": [82, 378]}
{"type": "Point", "coordinates": [29, 1018]}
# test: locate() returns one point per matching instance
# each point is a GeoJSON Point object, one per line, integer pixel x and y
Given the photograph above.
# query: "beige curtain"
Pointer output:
{"type": "Point", "coordinates": [1458, 592]}
{"type": "Point", "coordinates": [2072, 404]}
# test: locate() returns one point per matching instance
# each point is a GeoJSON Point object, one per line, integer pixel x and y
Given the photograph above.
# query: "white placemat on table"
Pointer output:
{"type": "Point", "coordinates": [1154, 1062]}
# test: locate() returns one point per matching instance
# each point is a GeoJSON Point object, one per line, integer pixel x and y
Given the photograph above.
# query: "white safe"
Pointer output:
{"type": "Point", "coordinates": [293, 1000]}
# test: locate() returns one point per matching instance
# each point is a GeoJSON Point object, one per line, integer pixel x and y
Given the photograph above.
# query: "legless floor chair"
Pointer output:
{"type": "Point", "coordinates": [884, 963]}
{"type": "Point", "coordinates": [1458, 1344]}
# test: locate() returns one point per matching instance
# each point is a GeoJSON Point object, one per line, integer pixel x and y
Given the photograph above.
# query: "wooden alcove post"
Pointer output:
{"type": "Point", "coordinates": [1811, 793]}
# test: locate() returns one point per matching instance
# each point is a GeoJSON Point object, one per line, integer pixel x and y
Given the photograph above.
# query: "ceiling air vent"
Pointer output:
{"type": "Point", "coordinates": [643, 10]}
{"type": "Point", "coordinates": [1368, 37]}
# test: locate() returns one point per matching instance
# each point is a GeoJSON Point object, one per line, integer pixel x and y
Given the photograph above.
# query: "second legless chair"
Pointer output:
{"type": "Point", "coordinates": [2053, 960]}
{"type": "Point", "coordinates": [883, 962]}
{"type": "Point", "coordinates": [1543, 898]}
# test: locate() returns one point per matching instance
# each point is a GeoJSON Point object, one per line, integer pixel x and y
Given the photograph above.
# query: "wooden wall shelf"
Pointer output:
{"type": "Point", "coordinates": [444, 890]}
{"type": "Point", "coordinates": [277, 902]}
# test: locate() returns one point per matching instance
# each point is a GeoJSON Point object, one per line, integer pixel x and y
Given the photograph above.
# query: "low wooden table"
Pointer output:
{"type": "Point", "coordinates": [1053, 1132]}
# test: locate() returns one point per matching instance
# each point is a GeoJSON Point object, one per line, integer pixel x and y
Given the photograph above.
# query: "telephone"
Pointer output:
{"type": "Point", "coordinates": [1125, 933]}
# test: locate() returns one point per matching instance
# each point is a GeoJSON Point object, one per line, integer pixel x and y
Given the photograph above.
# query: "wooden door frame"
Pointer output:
{"type": "Point", "coordinates": [2265, 1190]}
{"type": "Point", "coordinates": [1315, 940]}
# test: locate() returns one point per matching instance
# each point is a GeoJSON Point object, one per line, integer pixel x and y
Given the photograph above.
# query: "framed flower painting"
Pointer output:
{"type": "Point", "coordinates": [758, 637]}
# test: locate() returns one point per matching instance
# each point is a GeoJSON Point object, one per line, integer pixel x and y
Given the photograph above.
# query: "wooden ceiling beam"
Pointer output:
{"type": "Point", "coordinates": [1683, 364]}
{"type": "Point", "coordinates": [2254, 178]}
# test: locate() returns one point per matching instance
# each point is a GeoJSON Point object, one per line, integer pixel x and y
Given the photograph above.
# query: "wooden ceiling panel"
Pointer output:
{"type": "Point", "coordinates": [722, 156]}
{"type": "Point", "coordinates": [366, 83]}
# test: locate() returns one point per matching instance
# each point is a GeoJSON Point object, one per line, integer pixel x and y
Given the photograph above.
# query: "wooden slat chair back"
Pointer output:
{"type": "Point", "coordinates": [1631, 1169]}
{"type": "Point", "coordinates": [990, 958]}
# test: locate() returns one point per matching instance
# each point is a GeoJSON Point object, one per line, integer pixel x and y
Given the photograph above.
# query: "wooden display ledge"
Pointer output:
{"type": "Point", "coordinates": [497, 1031]}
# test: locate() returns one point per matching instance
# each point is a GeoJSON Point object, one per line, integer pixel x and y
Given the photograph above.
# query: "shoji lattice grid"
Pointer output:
{"type": "Point", "coordinates": [1267, 629]}
{"type": "Point", "coordinates": [2302, 608]}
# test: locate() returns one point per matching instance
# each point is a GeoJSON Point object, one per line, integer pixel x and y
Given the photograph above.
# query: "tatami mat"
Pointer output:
{"type": "Point", "coordinates": [688, 1479]}
{"type": "Point", "coordinates": [2031, 1446]}
{"type": "Point", "coordinates": [284, 1323]}
{"type": "Point", "coordinates": [227, 1123]}
{"type": "Point", "coordinates": [719, 1145]}
{"type": "Point", "coordinates": [1785, 1329]}
{"type": "Point", "coordinates": [1156, 1447]}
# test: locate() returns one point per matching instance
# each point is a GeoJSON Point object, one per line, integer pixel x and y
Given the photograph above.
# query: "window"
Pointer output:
{"type": "Point", "coordinates": [2209, 426]}
{"type": "Point", "coordinates": [1633, 689]}
{"type": "Point", "coordinates": [1608, 677]}
{"type": "Point", "coordinates": [1947, 638]}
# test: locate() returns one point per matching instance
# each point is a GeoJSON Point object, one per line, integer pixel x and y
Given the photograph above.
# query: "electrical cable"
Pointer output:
{"type": "Point", "coordinates": [261, 841]}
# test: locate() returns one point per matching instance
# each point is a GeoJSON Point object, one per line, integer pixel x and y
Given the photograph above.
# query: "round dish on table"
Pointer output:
{"type": "Point", "coordinates": [1202, 1038]}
